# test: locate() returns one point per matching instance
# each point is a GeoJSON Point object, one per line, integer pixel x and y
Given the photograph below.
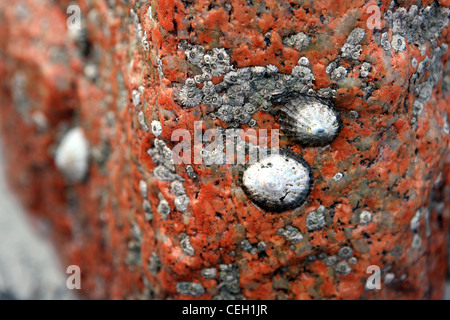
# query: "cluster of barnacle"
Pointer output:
{"type": "Point", "coordinates": [181, 200]}
{"type": "Point", "coordinates": [351, 50]}
{"type": "Point", "coordinates": [291, 234]}
{"type": "Point", "coordinates": [229, 288]}
{"type": "Point", "coordinates": [248, 247]}
{"type": "Point", "coordinates": [299, 41]}
{"type": "Point", "coordinates": [162, 155]}
{"type": "Point", "coordinates": [316, 219]}
{"type": "Point", "coordinates": [137, 24]}
{"type": "Point", "coordinates": [190, 289]}
{"type": "Point", "coordinates": [341, 261]}
{"type": "Point", "coordinates": [423, 87]}
{"type": "Point", "coordinates": [365, 69]}
{"type": "Point", "coordinates": [306, 116]}
{"type": "Point", "coordinates": [243, 91]}
{"type": "Point", "coordinates": [133, 257]}
{"type": "Point", "coordinates": [416, 25]}
{"type": "Point", "coordinates": [415, 224]}
{"type": "Point", "coordinates": [148, 212]}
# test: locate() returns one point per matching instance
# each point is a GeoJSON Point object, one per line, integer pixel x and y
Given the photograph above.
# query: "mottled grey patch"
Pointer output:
{"type": "Point", "coordinates": [343, 268]}
{"type": "Point", "coordinates": [316, 220]}
{"type": "Point", "coordinates": [352, 48]}
{"type": "Point", "coordinates": [330, 260]}
{"type": "Point", "coordinates": [228, 283]}
{"type": "Point", "coordinates": [365, 69]}
{"type": "Point", "coordinates": [154, 264]}
{"type": "Point", "coordinates": [163, 207]}
{"type": "Point", "coordinates": [291, 234]}
{"type": "Point", "coordinates": [299, 41]}
{"type": "Point", "coordinates": [209, 273]}
{"type": "Point", "coordinates": [186, 246]}
{"type": "Point", "coordinates": [190, 289]}
{"type": "Point", "coordinates": [345, 252]}
{"type": "Point", "coordinates": [365, 218]}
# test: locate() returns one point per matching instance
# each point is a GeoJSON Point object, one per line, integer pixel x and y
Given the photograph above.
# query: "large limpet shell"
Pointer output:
{"type": "Point", "coordinates": [278, 182]}
{"type": "Point", "coordinates": [310, 121]}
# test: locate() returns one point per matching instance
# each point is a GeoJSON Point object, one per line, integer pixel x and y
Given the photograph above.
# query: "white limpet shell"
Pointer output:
{"type": "Point", "coordinates": [278, 182]}
{"type": "Point", "coordinates": [72, 155]}
{"type": "Point", "coordinates": [310, 121]}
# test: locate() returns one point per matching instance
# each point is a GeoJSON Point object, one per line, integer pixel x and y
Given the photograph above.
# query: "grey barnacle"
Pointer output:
{"type": "Point", "coordinates": [278, 182]}
{"type": "Point", "coordinates": [190, 96]}
{"type": "Point", "coordinates": [310, 121]}
{"type": "Point", "coordinates": [225, 113]}
{"type": "Point", "coordinates": [195, 55]}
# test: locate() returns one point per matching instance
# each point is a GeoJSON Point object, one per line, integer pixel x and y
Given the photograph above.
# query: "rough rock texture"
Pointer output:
{"type": "Point", "coordinates": [140, 226]}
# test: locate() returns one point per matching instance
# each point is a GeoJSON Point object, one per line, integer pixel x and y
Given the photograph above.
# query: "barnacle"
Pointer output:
{"type": "Point", "coordinates": [351, 49]}
{"type": "Point", "coordinates": [213, 100]}
{"type": "Point", "coordinates": [232, 78]}
{"type": "Point", "coordinates": [190, 96]}
{"type": "Point", "coordinates": [356, 36]}
{"type": "Point", "coordinates": [316, 220]}
{"type": "Point", "coordinates": [162, 173]}
{"type": "Point", "coordinates": [365, 69]}
{"type": "Point", "coordinates": [258, 72]}
{"type": "Point", "coordinates": [156, 128]}
{"type": "Point", "coordinates": [225, 113]}
{"type": "Point", "coordinates": [292, 234]}
{"type": "Point", "coordinates": [398, 43]}
{"type": "Point", "coordinates": [163, 207]}
{"type": "Point", "coordinates": [384, 42]}
{"type": "Point", "coordinates": [365, 218]}
{"type": "Point", "coordinates": [303, 61]}
{"type": "Point", "coordinates": [300, 41]}
{"type": "Point", "coordinates": [221, 55]}
{"type": "Point", "coordinates": [177, 188]}
{"type": "Point", "coordinates": [339, 73]}
{"type": "Point", "coordinates": [326, 93]}
{"type": "Point", "coordinates": [195, 55]}
{"type": "Point", "coordinates": [271, 69]}
{"type": "Point", "coordinates": [243, 118]}
{"type": "Point", "coordinates": [330, 260]}
{"type": "Point", "coordinates": [345, 252]}
{"type": "Point", "coordinates": [250, 108]}
{"type": "Point", "coordinates": [209, 273]}
{"type": "Point", "coordinates": [278, 182]}
{"type": "Point", "coordinates": [190, 288]}
{"type": "Point", "coordinates": [310, 121]}
{"type": "Point", "coordinates": [343, 268]}
{"type": "Point", "coordinates": [303, 74]}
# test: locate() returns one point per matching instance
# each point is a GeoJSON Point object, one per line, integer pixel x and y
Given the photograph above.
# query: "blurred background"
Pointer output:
{"type": "Point", "coordinates": [29, 267]}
